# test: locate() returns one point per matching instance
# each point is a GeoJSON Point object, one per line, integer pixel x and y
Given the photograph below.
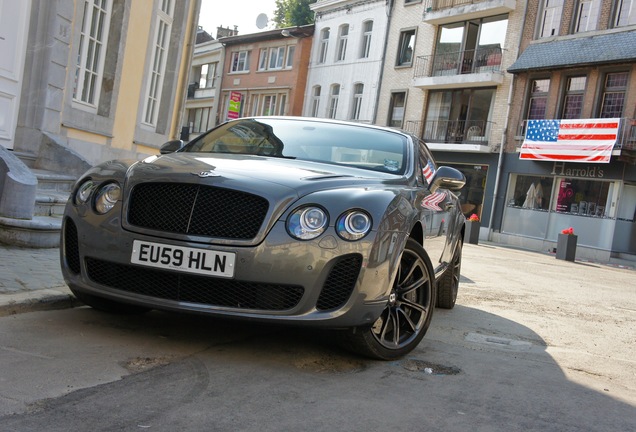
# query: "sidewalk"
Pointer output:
{"type": "Point", "coordinates": [31, 279]}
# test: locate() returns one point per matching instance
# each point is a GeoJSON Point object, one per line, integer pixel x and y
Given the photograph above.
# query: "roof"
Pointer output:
{"type": "Point", "coordinates": [615, 47]}
{"type": "Point", "coordinates": [296, 32]}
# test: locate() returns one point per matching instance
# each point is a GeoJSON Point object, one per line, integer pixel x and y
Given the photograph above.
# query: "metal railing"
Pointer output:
{"type": "Point", "coordinates": [435, 5]}
{"type": "Point", "coordinates": [451, 131]}
{"type": "Point", "coordinates": [626, 133]}
{"type": "Point", "coordinates": [485, 59]}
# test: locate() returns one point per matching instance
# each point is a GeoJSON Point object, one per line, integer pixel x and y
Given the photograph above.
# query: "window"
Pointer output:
{"type": "Point", "coordinates": [276, 57]}
{"type": "Point", "coordinates": [90, 57]}
{"type": "Point", "coordinates": [343, 35]}
{"type": "Point", "coordinates": [158, 61]}
{"type": "Point", "coordinates": [358, 89]}
{"type": "Point", "coordinates": [240, 61]}
{"type": "Point", "coordinates": [206, 78]}
{"type": "Point", "coordinates": [290, 56]}
{"type": "Point", "coordinates": [365, 49]}
{"type": "Point", "coordinates": [269, 105]}
{"type": "Point", "coordinates": [625, 13]}
{"type": "Point", "coordinates": [460, 115]}
{"type": "Point", "coordinates": [587, 15]}
{"type": "Point", "coordinates": [199, 119]}
{"type": "Point", "coordinates": [550, 18]}
{"type": "Point", "coordinates": [281, 104]}
{"type": "Point", "coordinates": [315, 101]}
{"type": "Point", "coordinates": [324, 45]}
{"type": "Point", "coordinates": [406, 48]}
{"type": "Point", "coordinates": [573, 98]}
{"type": "Point", "coordinates": [583, 197]}
{"type": "Point", "coordinates": [538, 99]}
{"type": "Point", "coordinates": [333, 101]}
{"type": "Point", "coordinates": [396, 109]}
{"type": "Point", "coordinates": [262, 59]}
{"type": "Point", "coordinates": [613, 100]}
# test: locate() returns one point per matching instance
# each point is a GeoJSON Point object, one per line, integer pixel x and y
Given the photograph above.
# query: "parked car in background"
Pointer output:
{"type": "Point", "coordinates": [276, 219]}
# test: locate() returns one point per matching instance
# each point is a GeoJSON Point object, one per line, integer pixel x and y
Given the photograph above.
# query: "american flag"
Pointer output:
{"type": "Point", "coordinates": [580, 140]}
{"type": "Point", "coordinates": [428, 171]}
{"type": "Point", "coordinates": [433, 200]}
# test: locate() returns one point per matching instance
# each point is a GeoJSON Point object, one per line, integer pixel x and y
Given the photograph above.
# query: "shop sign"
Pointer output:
{"type": "Point", "coordinates": [585, 171]}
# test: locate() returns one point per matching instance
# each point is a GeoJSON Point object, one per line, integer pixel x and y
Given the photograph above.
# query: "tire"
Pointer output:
{"type": "Point", "coordinates": [107, 305]}
{"type": "Point", "coordinates": [407, 315]}
{"type": "Point", "coordinates": [448, 284]}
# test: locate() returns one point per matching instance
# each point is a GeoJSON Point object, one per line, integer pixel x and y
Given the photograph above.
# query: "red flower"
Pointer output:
{"type": "Point", "coordinates": [568, 231]}
{"type": "Point", "coordinates": [473, 218]}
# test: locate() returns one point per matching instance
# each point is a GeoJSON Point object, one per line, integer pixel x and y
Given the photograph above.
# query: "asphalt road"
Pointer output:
{"type": "Point", "coordinates": [534, 344]}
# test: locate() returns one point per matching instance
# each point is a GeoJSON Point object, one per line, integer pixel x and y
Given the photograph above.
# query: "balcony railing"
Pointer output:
{"type": "Point", "coordinates": [481, 60]}
{"type": "Point", "coordinates": [451, 131]}
{"type": "Point", "coordinates": [435, 5]}
{"type": "Point", "coordinates": [626, 134]}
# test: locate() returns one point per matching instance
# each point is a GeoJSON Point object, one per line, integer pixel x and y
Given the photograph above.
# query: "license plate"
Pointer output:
{"type": "Point", "coordinates": [185, 259]}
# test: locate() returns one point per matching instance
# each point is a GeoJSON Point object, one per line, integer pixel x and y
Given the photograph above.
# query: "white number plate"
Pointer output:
{"type": "Point", "coordinates": [191, 260]}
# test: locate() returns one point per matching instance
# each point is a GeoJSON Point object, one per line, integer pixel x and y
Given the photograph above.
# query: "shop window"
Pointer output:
{"type": "Point", "coordinates": [471, 196]}
{"type": "Point", "coordinates": [531, 192]}
{"type": "Point", "coordinates": [582, 197]}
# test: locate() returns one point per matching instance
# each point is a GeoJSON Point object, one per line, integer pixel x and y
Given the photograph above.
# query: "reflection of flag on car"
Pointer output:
{"type": "Point", "coordinates": [428, 171]}
{"type": "Point", "coordinates": [432, 201]}
{"type": "Point", "coordinates": [580, 140]}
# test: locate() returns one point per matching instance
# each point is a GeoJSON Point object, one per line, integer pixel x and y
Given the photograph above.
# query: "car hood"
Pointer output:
{"type": "Point", "coordinates": [253, 173]}
{"type": "Point", "coordinates": [280, 181]}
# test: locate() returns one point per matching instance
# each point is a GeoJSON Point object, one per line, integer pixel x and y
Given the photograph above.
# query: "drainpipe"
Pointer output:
{"type": "Point", "coordinates": [503, 135]}
{"type": "Point", "coordinates": [389, 10]}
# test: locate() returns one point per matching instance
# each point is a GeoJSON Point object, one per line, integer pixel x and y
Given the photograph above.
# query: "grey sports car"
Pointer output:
{"type": "Point", "coordinates": [277, 219]}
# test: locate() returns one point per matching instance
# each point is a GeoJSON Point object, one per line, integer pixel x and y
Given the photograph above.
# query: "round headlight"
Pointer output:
{"type": "Point", "coordinates": [307, 223]}
{"type": "Point", "coordinates": [107, 197]}
{"type": "Point", "coordinates": [84, 192]}
{"type": "Point", "coordinates": [353, 225]}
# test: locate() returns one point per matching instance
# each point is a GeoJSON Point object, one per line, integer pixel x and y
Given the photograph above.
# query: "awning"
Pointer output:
{"type": "Point", "coordinates": [579, 140]}
{"type": "Point", "coordinates": [565, 52]}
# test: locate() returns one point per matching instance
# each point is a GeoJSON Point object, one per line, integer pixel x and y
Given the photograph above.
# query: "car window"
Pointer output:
{"type": "Point", "coordinates": [351, 145]}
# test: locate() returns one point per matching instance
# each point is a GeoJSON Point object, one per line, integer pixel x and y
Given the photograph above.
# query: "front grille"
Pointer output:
{"type": "Point", "coordinates": [340, 283]}
{"type": "Point", "coordinates": [197, 210]}
{"type": "Point", "coordinates": [194, 289]}
{"type": "Point", "coordinates": [71, 246]}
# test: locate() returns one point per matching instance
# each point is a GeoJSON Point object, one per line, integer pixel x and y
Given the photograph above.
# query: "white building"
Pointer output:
{"type": "Point", "coordinates": [347, 59]}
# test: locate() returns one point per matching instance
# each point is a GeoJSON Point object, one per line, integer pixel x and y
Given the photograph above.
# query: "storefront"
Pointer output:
{"type": "Point", "coordinates": [543, 198]}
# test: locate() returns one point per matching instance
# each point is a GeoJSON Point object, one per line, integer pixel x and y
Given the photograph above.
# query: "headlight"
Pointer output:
{"type": "Point", "coordinates": [107, 197]}
{"type": "Point", "coordinates": [307, 223]}
{"type": "Point", "coordinates": [84, 192]}
{"type": "Point", "coordinates": [353, 225]}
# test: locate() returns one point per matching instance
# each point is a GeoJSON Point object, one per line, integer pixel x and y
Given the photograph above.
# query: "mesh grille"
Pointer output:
{"type": "Point", "coordinates": [340, 283]}
{"type": "Point", "coordinates": [71, 246]}
{"type": "Point", "coordinates": [197, 210]}
{"type": "Point", "coordinates": [194, 289]}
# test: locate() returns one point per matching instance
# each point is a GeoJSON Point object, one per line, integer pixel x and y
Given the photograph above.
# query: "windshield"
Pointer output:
{"type": "Point", "coordinates": [333, 143]}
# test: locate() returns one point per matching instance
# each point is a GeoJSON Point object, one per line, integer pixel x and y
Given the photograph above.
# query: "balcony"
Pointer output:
{"type": "Point", "coordinates": [453, 135]}
{"type": "Point", "coordinates": [446, 11]}
{"type": "Point", "coordinates": [468, 68]}
{"type": "Point", "coordinates": [626, 135]}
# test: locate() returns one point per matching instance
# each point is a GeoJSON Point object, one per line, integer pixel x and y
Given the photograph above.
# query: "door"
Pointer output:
{"type": "Point", "coordinates": [14, 29]}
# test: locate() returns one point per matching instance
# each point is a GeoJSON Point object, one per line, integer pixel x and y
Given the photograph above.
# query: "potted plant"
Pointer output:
{"type": "Point", "coordinates": [566, 245]}
{"type": "Point", "coordinates": [472, 229]}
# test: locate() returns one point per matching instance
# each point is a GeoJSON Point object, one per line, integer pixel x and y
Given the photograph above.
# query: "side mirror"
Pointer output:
{"type": "Point", "coordinates": [448, 178]}
{"type": "Point", "coordinates": [171, 146]}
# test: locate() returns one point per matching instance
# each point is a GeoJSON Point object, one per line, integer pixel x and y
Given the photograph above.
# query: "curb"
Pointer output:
{"type": "Point", "coordinates": [39, 300]}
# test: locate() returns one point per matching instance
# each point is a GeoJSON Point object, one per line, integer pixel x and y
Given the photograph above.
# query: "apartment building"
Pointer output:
{"type": "Point", "coordinates": [204, 86]}
{"type": "Point", "coordinates": [346, 59]}
{"type": "Point", "coordinates": [265, 73]}
{"type": "Point", "coordinates": [445, 81]}
{"type": "Point", "coordinates": [571, 143]}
